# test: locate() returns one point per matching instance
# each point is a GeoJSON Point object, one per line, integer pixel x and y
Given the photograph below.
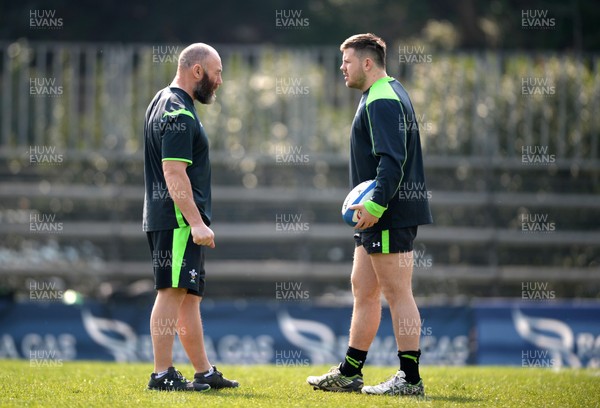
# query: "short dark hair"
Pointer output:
{"type": "Point", "coordinates": [369, 44]}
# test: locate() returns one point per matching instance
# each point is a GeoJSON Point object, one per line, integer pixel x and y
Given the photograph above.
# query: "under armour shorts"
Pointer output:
{"type": "Point", "coordinates": [387, 241]}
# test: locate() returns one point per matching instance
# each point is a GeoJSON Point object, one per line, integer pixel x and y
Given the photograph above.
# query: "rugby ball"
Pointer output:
{"type": "Point", "coordinates": [358, 195]}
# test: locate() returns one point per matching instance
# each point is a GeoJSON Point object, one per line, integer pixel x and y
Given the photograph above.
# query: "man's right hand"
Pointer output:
{"type": "Point", "coordinates": [202, 235]}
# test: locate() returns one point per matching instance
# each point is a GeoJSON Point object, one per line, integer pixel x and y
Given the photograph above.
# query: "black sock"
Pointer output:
{"type": "Point", "coordinates": [409, 363]}
{"type": "Point", "coordinates": [353, 363]}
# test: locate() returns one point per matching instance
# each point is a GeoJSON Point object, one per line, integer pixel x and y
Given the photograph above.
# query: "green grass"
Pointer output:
{"type": "Point", "coordinates": [86, 384]}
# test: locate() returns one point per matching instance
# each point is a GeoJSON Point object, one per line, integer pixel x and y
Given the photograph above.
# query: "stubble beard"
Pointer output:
{"type": "Point", "coordinates": [358, 83]}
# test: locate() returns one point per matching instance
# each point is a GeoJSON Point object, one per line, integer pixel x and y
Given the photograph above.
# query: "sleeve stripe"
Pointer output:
{"type": "Point", "coordinates": [180, 112]}
{"type": "Point", "coordinates": [177, 159]}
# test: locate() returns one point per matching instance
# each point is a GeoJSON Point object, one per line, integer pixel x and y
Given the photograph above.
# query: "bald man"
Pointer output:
{"type": "Point", "coordinates": [177, 216]}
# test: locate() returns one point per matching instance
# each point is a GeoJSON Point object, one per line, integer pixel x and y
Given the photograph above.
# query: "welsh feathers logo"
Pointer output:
{"type": "Point", "coordinates": [193, 275]}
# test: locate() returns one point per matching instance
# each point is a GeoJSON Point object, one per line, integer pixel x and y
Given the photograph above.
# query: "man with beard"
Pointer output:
{"type": "Point", "coordinates": [177, 216]}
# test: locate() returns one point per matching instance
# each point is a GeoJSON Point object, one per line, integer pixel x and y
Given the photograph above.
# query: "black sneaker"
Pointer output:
{"type": "Point", "coordinates": [215, 380]}
{"type": "Point", "coordinates": [174, 381]}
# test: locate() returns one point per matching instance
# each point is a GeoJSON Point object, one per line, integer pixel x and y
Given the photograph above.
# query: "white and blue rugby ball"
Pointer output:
{"type": "Point", "coordinates": [358, 195]}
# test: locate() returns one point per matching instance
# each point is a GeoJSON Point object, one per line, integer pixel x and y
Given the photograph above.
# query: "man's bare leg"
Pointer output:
{"type": "Point", "coordinates": [191, 334]}
{"type": "Point", "coordinates": [394, 272]}
{"type": "Point", "coordinates": [163, 325]}
{"type": "Point", "coordinates": [366, 313]}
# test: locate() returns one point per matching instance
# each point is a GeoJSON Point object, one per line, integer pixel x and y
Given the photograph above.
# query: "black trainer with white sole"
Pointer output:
{"type": "Point", "coordinates": [215, 380]}
{"type": "Point", "coordinates": [174, 381]}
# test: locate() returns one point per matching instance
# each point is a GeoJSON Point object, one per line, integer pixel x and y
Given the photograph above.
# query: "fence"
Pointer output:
{"type": "Point", "coordinates": [92, 97]}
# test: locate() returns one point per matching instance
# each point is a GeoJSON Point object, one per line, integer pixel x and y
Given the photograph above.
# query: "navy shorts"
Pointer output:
{"type": "Point", "coordinates": [387, 241]}
{"type": "Point", "coordinates": [177, 261]}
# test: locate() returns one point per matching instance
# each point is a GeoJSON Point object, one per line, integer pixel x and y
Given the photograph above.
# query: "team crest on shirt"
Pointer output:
{"type": "Point", "coordinates": [193, 275]}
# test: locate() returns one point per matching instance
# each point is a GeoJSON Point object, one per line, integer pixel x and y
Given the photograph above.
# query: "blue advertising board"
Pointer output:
{"type": "Point", "coordinates": [236, 332]}
{"type": "Point", "coordinates": [538, 334]}
{"type": "Point", "coordinates": [528, 334]}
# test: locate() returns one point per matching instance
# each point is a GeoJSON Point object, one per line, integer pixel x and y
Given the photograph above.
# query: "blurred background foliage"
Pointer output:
{"type": "Point", "coordinates": [467, 104]}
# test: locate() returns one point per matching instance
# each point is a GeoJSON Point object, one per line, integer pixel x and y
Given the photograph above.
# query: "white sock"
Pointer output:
{"type": "Point", "coordinates": [162, 373]}
{"type": "Point", "coordinates": [212, 370]}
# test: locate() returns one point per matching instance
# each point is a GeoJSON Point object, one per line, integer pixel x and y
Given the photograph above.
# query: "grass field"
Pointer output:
{"type": "Point", "coordinates": [98, 384]}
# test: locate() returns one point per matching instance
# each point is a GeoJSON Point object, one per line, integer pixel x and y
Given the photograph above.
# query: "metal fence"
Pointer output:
{"type": "Point", "coordinates": [92, 97]}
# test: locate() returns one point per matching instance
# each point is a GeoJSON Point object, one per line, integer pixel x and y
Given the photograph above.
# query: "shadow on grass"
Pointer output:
{"type": "Point", "coordinates": [214, 396]}
{"type": "Point", "coordinates": [441, 398]}
{"type": "Point", "coordinates": [239, 393]}
{"type": "Point", "coordinates": [435, 398]}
